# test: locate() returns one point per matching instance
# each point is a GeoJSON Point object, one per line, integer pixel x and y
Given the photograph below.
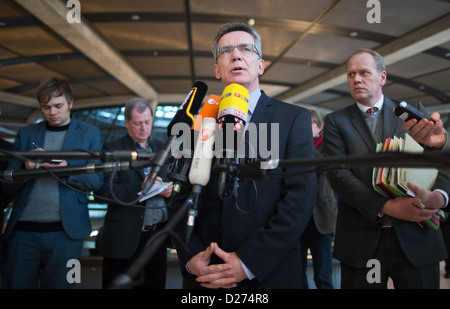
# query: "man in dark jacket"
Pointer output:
{"type": "Point", "coordinates": [128, 228]}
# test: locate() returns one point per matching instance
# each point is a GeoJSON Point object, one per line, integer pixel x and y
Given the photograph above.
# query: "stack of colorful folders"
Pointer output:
{"type": "Point", "coordinates": [391, 182]}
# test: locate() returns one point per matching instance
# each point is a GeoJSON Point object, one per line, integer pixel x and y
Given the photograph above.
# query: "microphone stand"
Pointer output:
{"type": "Point", "coordinates": [178, 178]}
{"type": "Point", "coordinates": [244, 171]}
{"type": "Point", "coordinates": [158, 162]}
{"type": "Point", "coordinates": [77, 155]}
{"type": "Point", "coordinates": [42, 155]}
{"type": "Point", "coordinates": [403, 159]}
{"type": "Point", "coordinates": [226, 186]}
{"type": "Point", "coordinates": [191, 204]}
{"type": "Point", "coordinates": [64, 171]}
{"type": "Point", "coordinates": [259, 169]}
{"type": "Point", "coordinates": [127, 279]}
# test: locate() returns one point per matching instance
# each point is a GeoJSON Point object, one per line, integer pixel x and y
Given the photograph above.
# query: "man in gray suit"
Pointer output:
{"type": "Point", "coordinates": [371, 228]}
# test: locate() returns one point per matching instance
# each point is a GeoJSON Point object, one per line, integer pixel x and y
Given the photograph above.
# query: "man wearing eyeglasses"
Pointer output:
{"type": "Point", "coordinates": [258, 247]}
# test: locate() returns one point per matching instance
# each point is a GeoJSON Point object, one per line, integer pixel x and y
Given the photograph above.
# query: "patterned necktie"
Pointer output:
{"type": "Point", "coordinates": [372, 110]}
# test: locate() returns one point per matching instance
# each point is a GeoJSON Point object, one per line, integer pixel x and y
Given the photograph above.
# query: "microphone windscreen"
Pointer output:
{"type": "Point", "coordinates": [190, 106]}
{"type": "Point", "coordinates": [204, 153]}
{"type": "Point", "coordinates": [209, 110]}
{"type": "Point", "coordinates": [233, 107]}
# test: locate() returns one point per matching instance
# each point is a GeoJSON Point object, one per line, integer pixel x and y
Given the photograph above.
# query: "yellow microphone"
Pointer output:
{"type": "Point", "coordinates": [233, 107]}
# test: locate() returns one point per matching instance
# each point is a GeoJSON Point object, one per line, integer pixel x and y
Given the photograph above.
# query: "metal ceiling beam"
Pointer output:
{"type": "Point", "coordinates": [85, 39]}
{"type": "Point", "coordinates": [427, 37]}
{"type": "Point", "coordinates": [440, 95]}
{"type": "Point", "coordinates": [175, 17]}
{"type": "Point", "coordinates": [187, 9]}
{"type": "Point", "coordinates": [303, 34]}
{"type": "Point", "coordinates": [17, 99]}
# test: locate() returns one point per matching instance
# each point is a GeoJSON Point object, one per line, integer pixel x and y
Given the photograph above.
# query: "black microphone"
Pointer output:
{"type": "Point", "coordinates": [64, 171]}
{"type": "Point", "coordinates": [232, 117]}
{"type": "Point", "coordinates": [185, 115]}
{"type": "Point", "coordinates": [126, 155]}
{"type": "Point", "coordinates": [179, 168]}
{"type": "Point", "coordinates": [114, 155]}
{"type": "Point", "coordinates": [201, 168]}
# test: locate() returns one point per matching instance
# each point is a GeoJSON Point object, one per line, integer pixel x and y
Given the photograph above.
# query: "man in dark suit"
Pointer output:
{"type": "Point", "coordinates": [252, 240]}
{"type": "Point", "coordinates": [129, 227]}
{"type": "Point", "coordinates": [49, 220]}
{"type": "Point", "coordinates": [371, 229]}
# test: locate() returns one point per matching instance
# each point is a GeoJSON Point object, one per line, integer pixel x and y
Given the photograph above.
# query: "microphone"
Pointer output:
{"type": "Point", "coordinates": [209, 109]}
{"type": "Point", "coordinates": [233, 107]}
{"type": "Point", "coordinates": [203, 154]}
{"type": "Point", "coordinates": [126, 155]}
{"type": "Point", "coordinates": [185, 114]}
{"type": "Point", "coordinates": [114, 155]}
{"type": "Point", "coordinates": [179, 177]}
{"type": "Point", "coordinates": [201, 168]}
{"type": "Point", "coordinates": [64, 171]}
{"type": "Point", "coordinates": [232, 118]}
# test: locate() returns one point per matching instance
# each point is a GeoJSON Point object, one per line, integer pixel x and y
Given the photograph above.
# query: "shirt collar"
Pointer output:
{"type": "Point", "coordinates": [138, 146]}
{"type": "Point", "coordinates": [253, 100]}
{"type": "Point", "coordinates": [378, 104]}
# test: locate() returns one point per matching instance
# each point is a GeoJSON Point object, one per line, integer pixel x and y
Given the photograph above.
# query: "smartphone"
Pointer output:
{"type": "Point", "coordinates": [54, 161]}
{"type": "Point", "coordinates": [405, 111]}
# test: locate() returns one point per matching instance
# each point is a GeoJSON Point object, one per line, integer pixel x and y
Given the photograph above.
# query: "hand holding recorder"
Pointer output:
{"type": "Point", "coordinates": [427, 130]}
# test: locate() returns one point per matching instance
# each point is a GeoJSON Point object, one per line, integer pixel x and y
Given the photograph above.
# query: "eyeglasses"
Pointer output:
{"type": "Point", "coordinates": [245, 49]}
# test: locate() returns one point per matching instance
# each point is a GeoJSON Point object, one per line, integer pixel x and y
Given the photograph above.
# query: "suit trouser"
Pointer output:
{"type": "Point", "coordinates": [153, 275]}
{"type": "Point", "coordinates": [392, 264]}
{"type": "Point", "coordinates": [445, 228]}
{"type": "Point", "coordinates": [38, 259]}
{"type": "Point", "coordinates": [321, 251]}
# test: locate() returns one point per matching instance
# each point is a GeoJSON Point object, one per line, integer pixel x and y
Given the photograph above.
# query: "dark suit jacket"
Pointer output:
{"type": "Point", "coordinates": [123, 224]}
{"type": "Point", "coordinates": [358, 225]}
{"type": "Point", "coordinates": [265, 226]}
{"type": "Point", "coordinates": [73, 204]}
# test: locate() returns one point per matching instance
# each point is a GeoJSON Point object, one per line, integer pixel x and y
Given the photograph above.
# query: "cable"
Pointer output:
{"type": "Point", "coordinates": [84, 192]}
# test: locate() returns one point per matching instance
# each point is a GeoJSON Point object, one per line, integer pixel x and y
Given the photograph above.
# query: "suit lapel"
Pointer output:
{"type": "Point", "coordinates": [71, 134]}
{"type": "Point", "coordinates": [39, 134]}
{"type": "Point", "coordinates": [392, 125]}
{"type": "Point", "coordinates": [360, 126]}
{"type": "Point", "coordinates": [263, 109]}
{"type": "Point", "coordinates": [261, 114]}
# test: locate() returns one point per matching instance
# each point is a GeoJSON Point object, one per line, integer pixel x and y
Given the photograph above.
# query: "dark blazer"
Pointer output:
{"type": "Point", "coordinates": [73, 204]}
{"type": "Point", "coordinates": [358, 224]}
{"type": "Point", "coordinates": [265, 225]}
{"type": "Point", "coordinates": [123, 224]}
